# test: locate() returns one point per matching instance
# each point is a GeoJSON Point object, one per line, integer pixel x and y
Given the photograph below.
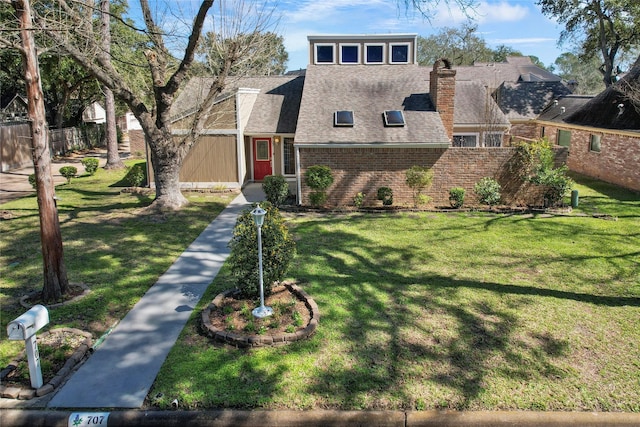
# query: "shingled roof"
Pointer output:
{"type": "Point", "coordinates": [474, 106]}
{"type": "Point", "coordinates": [515, 69]}
{"type": "Point", "coordinates": [525, 100]}
{"type": "Point", "coordinates": [368, 91]}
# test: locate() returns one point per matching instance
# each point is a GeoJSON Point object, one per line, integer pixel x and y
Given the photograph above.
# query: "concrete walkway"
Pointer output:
{"type": "Point", "coordinates": [121, 371]}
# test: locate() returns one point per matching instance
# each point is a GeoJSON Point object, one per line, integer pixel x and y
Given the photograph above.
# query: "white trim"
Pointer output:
{"type": "Point", "coordinates": [409, 53]}
{"type": "Point", "coordinates": [374, 145]}
{"type": "Point", "coordinates": [239, 140]}
{"type": "Point", "coordinates": [357, 45]}
{"type": "Point", "coordinates": [384, 53]}
{"type": "Point", "coordinates": [315, 53]}
{"type": "Point", "coordinates": [476, 134]}
{"type": "Point", "coordinates": [351, 37]}
{"type": "Point", "coordinates": [298, 183]}
{"type": "Point", "coordinates": [229, 132]}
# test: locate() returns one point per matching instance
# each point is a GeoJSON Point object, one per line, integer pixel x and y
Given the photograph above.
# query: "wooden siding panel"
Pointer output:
{"type": "Point", "coordinates": [212, 159]}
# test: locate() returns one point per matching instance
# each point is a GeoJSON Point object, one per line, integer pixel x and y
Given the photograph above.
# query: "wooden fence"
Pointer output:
{"type": "Point", "coordinates": [15, 142]}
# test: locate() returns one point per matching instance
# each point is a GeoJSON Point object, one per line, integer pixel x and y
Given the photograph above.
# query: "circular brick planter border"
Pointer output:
{"type": "Point", "coordinates": [59, 378]}
{"type": "Point", "coordinates": [238, 340]}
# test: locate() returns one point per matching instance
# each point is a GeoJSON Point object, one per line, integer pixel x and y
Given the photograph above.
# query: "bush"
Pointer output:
{"type": "Point", "coordinates": [276, 189]}
{"type": "Point", "coordinates": [32, 180]}
{"type": "Point", "coordinates": [90, 165]}
{"type": "Point", "coordinates": [358, 199]}
{"type": "Point", "coordinates": [557, 184]}
{"type": "Point", "coordinates": [488, 191]}
{"type": "Point", "coordinates": [278, 251]}
{"type": "Point", "coordinates": [68, 172]}
{"type": "Point", "coordinates": [386, 195]}
{"type": "Point", "coordinates": [318, 178]}
{"type": "Point", "coordinates": [419, 178]}
{"type": "Point", "coordinates": [136, 176]}
{"type": "Point", "coordinates": [317, 198]}
{"type": "Point", "coordinates": [456, 197]}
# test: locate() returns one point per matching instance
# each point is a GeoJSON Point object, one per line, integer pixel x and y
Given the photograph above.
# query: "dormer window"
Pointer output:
{"type": "Point", "coordinates": [343, 118]}
{"type": "Point", "coordinates": [393, 118]}
{"type": "Point", "coordinates": [374, 54]}
{"type": "Point", "coordinates": [325, 53]}
{"type": "Point", "coordinates": [399, 53]}
{"type": "Point", "coordinates": [349, 53]}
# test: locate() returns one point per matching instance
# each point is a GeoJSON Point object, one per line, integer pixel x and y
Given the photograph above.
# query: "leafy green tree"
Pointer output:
{"type": "Point", "coordinates": [606, 28]}
{"type": "Point", "coordinates": [585, 74]}
{"type": "Point", "coordinates": [462, 46]}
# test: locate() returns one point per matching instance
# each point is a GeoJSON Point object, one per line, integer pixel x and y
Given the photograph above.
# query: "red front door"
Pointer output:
{"type": "Point", "coordinates": [262, 155]}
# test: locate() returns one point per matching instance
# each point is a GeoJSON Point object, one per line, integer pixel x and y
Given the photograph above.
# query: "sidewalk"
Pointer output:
{"type": "Point", "coordinates": [121, 371]}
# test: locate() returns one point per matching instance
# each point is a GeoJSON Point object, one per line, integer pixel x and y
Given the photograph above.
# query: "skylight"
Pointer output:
{"type": "Point", "coordinates": [343, 118]}
{"type": "Point", "coordinates": [393, 118]}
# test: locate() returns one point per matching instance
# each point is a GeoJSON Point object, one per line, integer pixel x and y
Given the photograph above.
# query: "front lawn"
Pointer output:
{"type": "Point", "coordinates": [429, 310]}
{"type": "Point", "coordinates": [110, 245]}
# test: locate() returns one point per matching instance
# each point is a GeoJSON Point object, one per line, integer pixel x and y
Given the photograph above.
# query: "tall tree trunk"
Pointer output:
{"type": "Point", "coordinates": [55, 272]}
{"type": "Point", "coordinates": [167, 159]}
{"type": "Point", "coordinates": [113, 157]}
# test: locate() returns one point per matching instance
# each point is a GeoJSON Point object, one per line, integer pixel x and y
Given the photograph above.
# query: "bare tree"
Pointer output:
{"type": "Point", "coordinates": [71, 27]}
{"type": "Point", "coordinates": [55, 272]}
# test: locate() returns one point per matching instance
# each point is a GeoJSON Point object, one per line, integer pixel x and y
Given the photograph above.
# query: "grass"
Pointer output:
{"type": "Point", "coordinates": [109, 245]}
{"type": "Point", "coordinates": [418, 310]}
{"type": "Point", "coordinates": [427, 310]}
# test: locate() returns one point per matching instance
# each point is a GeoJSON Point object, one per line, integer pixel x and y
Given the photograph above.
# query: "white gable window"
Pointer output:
{"type": "Point", "coordinates": [374, 53]}
{"type": "Point", "coordinates": [465, 140]}
{"type": "Point", "coordinates": [493, 139]}
{"type": "Point", "coordinates": [325, 53]}
{"type": "Point", "coordinates": [399, 53]}
{"type": "Point", "coordinates": [349, 53]}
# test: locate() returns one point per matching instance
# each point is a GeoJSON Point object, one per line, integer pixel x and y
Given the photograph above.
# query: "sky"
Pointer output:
{"type": "Point", "coordinates": [515, 23]}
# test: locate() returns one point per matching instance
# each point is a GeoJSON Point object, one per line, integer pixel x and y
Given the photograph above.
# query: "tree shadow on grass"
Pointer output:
{"type": "Point", "coordinates": [407, 335]}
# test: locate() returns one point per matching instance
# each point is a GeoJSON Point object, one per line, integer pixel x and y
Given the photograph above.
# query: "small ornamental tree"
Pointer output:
{"type": "Point", "coordinates": [418, 179]}
{"type": "Point", "coordinates": [318, 178]}
{"type": "Point", "coordinates": [488, 191]}
{"type": "Point", "coordinates": [278, 250]}
{"type": "Point", "coordinates": [90, 165]}
{"type": "Point", "coordinates": [276, 189]}
{"type": "Point", "coordinates": [68, 172]}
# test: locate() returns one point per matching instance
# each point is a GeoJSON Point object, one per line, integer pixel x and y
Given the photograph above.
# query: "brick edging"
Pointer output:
{"type": "Point", "coordinates": [59, 378]}
{"type": "Point", "coordinates": [238, 340]}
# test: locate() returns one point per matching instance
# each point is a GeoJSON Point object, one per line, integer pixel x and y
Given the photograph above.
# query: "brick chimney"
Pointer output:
{"type": "Point", "coordinates": [442, 88]}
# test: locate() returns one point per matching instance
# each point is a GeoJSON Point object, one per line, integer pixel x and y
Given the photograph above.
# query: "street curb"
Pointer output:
{"type": "Point", "coordinates": [36, 418]}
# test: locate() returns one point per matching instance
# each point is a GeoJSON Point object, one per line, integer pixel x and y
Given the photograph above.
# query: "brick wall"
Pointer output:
{"type": "Point", "coordinates": [618, 159]}
{"type": "Point", "coordinates": [442, 89]}
{"type": "Point", "coordinates": [525, 130]}
{"type": "Point", "coordinates": [366, 169]}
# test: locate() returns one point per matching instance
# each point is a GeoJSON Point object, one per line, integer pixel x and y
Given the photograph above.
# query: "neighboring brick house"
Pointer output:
{"type": "Point", "coordinates": [601, 133]}
{"type": "Point", "coordinates": [366, 109]}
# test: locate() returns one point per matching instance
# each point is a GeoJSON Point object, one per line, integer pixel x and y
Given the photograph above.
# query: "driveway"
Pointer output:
{"type": "Point", "coordinates": [15, 183]}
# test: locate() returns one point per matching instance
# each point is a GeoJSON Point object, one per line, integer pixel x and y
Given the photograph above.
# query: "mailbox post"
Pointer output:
{"type": "Point", "coordinates": [24, 328]}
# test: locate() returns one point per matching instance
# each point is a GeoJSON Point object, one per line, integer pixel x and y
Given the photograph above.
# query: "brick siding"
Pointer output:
{"type": "Point", "coordinates": [366, 169]}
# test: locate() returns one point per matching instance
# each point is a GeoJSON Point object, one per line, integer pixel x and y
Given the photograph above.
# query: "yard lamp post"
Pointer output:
{"type": "Point", "coordinates": [258, 216]}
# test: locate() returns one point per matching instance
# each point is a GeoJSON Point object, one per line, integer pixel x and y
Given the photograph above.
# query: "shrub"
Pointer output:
{"type": "Point", "coordinates": [488, 191]}
{"type": "Point", "coordinates": [278, 250]}
{"type": "Point", "coordinates": [318, 178]}
{"type": "Point", "coordinates": [358, 199]}
{"type": "Point", "coordinates": [90, 165]}
{"type": "Point", "coordinates": [456, 197]}
{"type": "Point", "coordinates": [419, 178]}
{"type": "Point", "coordinates": [136, 176]}
{"type": "Point", "coordinates": [557, 184]}
{"type": "Point", "coordinates": [276, 189]}
{"type": "Point", "coordinates": [68, 172]}
{"type": "Point", "coordinates": [32, 180]}
{"type": "Point", "coordinates": [386, 195]}
{"type": "Point", "coordinates": [317, 198]}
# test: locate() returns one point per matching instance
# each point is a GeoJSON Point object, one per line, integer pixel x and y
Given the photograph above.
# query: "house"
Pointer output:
{"type": "Point", "coordinates": [601, 133]}
{"type": "Point", "coordinates": [14, 109]}
{"type": "Point", "coordinates": [366, 109]}
{"type": "Point", "coordinates": [94, 113]}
